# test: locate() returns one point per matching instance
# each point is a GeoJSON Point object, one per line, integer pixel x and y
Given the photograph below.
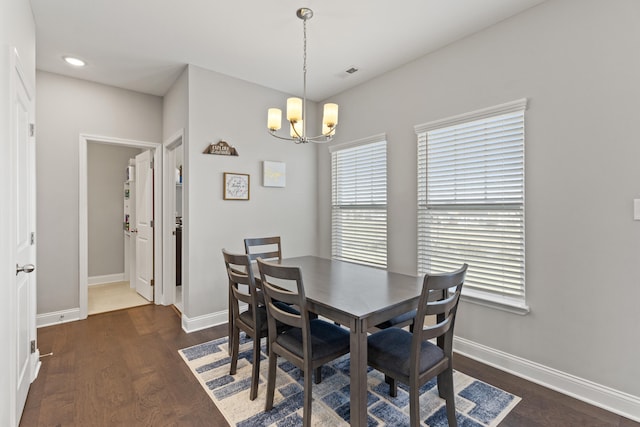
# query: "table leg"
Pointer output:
{"type": "Point", "coordinates": [358, 349]}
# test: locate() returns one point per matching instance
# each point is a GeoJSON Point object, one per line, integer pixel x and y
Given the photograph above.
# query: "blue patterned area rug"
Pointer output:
{"type": "Point", "coordinates": [477, 403]}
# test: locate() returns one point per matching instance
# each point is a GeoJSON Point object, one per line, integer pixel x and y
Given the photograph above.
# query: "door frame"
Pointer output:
{"type": "Point", "coordinates": [83, 215]}
{"type": "Point", "coordinates": [169, 255]}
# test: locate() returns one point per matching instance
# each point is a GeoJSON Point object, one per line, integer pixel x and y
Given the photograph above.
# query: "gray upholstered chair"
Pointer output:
{"type": "Point", "coordinates": [404, 319]}
{"type": "Point", "coordinates": [409, 357]}
{"type": "Point", "coordinates": [267, 248]}
{"type": "Point", "coordinates": [309, 343]}
{"type": "Point", "coordinates": [253, 321]}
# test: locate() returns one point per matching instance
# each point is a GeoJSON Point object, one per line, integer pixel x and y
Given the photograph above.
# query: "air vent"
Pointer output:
{"type": "Point", "coordinates": [351, 70]}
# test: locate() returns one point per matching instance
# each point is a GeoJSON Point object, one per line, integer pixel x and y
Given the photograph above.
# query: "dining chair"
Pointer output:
{"type": "Point", "coordinates": [309, 343]}
{"type": "Point", "coordinates": [267, 248]}
{"type": "Point", "coordinates": [409, 357]}
{"type": "Point", "coordinates": [404, 319]}
{"type": "Point", "coordinates": [253, 320]}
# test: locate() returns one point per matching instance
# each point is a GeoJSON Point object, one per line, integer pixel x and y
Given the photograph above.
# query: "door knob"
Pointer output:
{"type": "Point", "coordinates": [27, 268]}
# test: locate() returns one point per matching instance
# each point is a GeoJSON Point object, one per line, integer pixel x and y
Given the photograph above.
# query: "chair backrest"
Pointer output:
{"type": "Point", "coordinates": [239, 272]}
{"type": "Point", "coordinates": [284, 284]}
{"type": "Point", "coordinates": [437, 299]}
{"type": "Point", "coordinates": [267, 248]}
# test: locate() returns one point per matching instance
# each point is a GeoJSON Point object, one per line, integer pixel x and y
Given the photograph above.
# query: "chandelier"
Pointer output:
{"type": "Point", "coordinates": [297, 108]}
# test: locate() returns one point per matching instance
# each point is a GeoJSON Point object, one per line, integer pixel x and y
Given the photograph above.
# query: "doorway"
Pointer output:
{"type": "Point", "coordinates": [174, 280]}
{"type": "Point", "coordinates": [111, 200]}
{"type": "Point", "coordinates": [155, 208]}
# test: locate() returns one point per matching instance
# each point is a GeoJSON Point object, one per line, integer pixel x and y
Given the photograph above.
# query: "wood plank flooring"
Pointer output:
{"type": "Point", "coordinates": [123, 369]}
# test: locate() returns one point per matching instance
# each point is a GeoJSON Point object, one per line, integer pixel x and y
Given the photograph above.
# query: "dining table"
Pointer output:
{"type": "Point", "coordinates": [357, 297]}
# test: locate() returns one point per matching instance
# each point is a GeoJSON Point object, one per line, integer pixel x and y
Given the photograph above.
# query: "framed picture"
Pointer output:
{"type": "Point", "coordinates": [236, 186]}
{"type": "Point", "coordinates": [274, 174]}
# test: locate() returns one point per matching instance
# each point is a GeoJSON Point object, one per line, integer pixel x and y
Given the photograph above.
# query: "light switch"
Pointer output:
{"type": "Point", "coordinates": [636, 209]}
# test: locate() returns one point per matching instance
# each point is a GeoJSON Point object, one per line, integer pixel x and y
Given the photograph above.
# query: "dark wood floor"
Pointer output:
{"type": "Point", "coordinates": [123, 369]}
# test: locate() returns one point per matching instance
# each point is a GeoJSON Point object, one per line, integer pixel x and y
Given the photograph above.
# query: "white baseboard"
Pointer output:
{"type": "Point", "coordinates": [107, 278]}
{"type": "Point", "coordinates": [598, 395]}
{"type": "Point", "coordinates": [57, 317]}
{"type": "Point", "coordinates": [205, 321]}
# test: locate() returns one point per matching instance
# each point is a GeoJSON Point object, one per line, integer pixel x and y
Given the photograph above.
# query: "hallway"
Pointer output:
{"type": "Point", "coordinates": [113, 296]}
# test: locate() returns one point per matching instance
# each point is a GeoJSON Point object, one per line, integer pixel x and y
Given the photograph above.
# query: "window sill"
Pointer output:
{"type": "Point", "coordinates": [492, 301]}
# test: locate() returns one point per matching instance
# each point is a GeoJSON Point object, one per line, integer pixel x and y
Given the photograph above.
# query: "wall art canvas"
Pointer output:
{"type": "Point", "coordinates": [274, 174]}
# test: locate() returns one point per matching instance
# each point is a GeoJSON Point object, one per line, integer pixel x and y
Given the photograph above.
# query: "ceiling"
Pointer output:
{"type": "Point", "coordinates": [143, 45]}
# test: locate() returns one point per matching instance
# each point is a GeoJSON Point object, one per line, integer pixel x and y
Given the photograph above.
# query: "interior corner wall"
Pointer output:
{"type": "Point", "coordinates": [106, 174]}
{"type": "Point", "coordinates": [66, 108]}
{"type": "Point", "coordinates": [175, 107]}
{"type": "Point", "coordinates": [576, 61]}
{"type": "Point", "coordinates": [225, 108]}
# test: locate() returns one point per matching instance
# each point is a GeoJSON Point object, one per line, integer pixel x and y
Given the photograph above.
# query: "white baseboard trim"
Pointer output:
{"type": "Point", "coordinates": [38, 365]}
{"type": "Point", "coordinates": [205, 321]}
{"type": "Point", "coordinates": [595, 394]}
{"type": "Point", "coordinates": [57, 317]}
{"type": "Point", "coordinates": [107, 278]}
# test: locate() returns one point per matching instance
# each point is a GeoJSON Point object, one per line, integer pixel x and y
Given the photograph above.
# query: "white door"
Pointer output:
{"type": "Point", "coordinates": [144, 225]}
{"type": "Point", "coordinates": [23, 141]}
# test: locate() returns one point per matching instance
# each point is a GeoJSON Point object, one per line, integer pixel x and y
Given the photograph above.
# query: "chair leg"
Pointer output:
{"type": "Point", "coordinates": [393, 385]}
{"type": "Point", "coordinates": [255, 371]}
{"type": "Point", "coordinates": [271, 380]}
{"type": "Point", "coordinates": [306, 410]}
{"type": "Point", "coordinates": [414, 403]}
{"type": "Point", "coordinates": [443, 383]}
{"type": "Point", "coordinates": [230, 322]}
{"type": "Point", "coordinates": [235, 348]}
{"type": "Point", "coordinates": [447, 381]}
{"type": "Point", "coordinates": [317, 374]}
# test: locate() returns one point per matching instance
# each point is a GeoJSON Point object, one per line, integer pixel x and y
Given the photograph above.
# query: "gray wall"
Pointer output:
{"type": "Point", "coordinates": [211, 223]}
{"type": "Point", "coordinates": [577, 62]}
{"type": "Point", "coordinates": [66, 108]}
{"type": "Point", "coordinates": [106, 173]}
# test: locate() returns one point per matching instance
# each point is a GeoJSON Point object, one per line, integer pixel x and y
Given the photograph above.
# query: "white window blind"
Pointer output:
{"type": "Point", "coordinates": [471, 201]}
{"type": "Point", "coordinates": [359, 202]}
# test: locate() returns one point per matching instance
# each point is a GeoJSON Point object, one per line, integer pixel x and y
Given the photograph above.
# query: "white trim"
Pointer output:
{"type": "Point", "coordinates": [205, 321]}
{"type": "Point", "coordinates": [507, 107]}
{"type": "Point", "coordinates": [351, 144]}
{"type": "Point", "coordinates": [169, 256]}
{"type": "Point", "coordinates": [487, 299]}
{"type": "Point", "coordinates": [38, 365]}
{"type": "Point", "coordinates": [107, 278]}
{"type": "Point", "coordinates": [83, 225]}
{"type": "Point", "coordinates": [83, 233]}
{"type": "Point", "coordinates": [604, 397]}
{"type": "Point", "coordinates": [57, 317]}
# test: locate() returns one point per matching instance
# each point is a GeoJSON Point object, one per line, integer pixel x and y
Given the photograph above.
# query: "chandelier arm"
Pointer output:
{"type": "Point", "coordinates": [296, 140]}
{"type": "Point", "coordinates": [292, 123]}
{"type": "Point", "coordinates": [326, 136]}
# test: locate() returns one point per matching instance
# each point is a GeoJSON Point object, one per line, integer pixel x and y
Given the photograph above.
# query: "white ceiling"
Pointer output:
{"type": "Point", "coordinates": [143, 45]}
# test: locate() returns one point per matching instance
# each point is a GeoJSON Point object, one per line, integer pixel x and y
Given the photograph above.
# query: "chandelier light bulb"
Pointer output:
{"type": "Point", "coordinates": [274, 119]}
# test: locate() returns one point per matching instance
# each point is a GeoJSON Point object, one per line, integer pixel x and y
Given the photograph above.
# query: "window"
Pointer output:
{"type": "Point", "coordinates": [471, 202]}
{"type": "Point", "coordinates": [359, 201]}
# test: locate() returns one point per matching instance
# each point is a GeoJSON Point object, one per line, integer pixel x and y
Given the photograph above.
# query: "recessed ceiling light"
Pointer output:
{"type": "Point", "coordinates": [76, 62]}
